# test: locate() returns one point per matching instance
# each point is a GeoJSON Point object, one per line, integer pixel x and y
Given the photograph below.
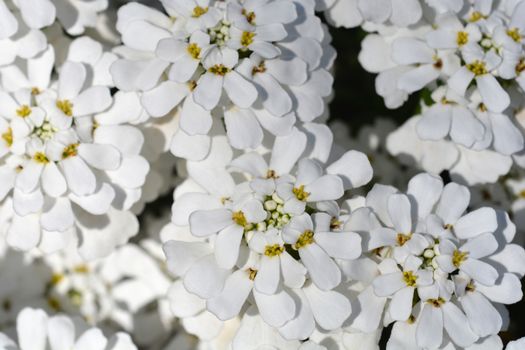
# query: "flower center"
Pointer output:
{"type": "Point", "coordinates": [45, 131]}
{"type": "Point", "coordinates": [458, 257]}
{"type": "Point", "coordinates": [306, 238]}
{"type": "Point", "coordinates": [194, 50]}
{"type": "Point", "coordinates": [477, 67]}
{"type": "Point", "coordinates": [65, 106]}
{"type": "Point", "coordinates": [8, 137]}
{"type": "Point", "coordinates": [273, 250]}
{"type": "Point", "coordinates": [476, 16]}
{"type": "Point", "coordinates": [276, 217]}
{"type": "Point", "coordinates": [436, 302]}
{"type": "Point", "coordinates": [199, 11]}
{"type": "Point", "coordinates": [300, 193]}
{"type": "Point", "coordinates": [252, 273]}
{"type": "Point", "coordinates": [409, 278]}
{"type": "Point", "coordinates": [514, 34]}
{"type": "Point", "coordinates": [220, 34]}
{"type": "Point", "coordinates": [70, 151]}
{"type": "Point", "coordinates": [402, 238]}
{"type": "Point", "coordinates": [261, 68]}
{"type": "Point", "coordinates": [250, 16]}
{"type": "Point", "coordinates": [219, 69]}
{"type": "Point", "coordinates": [41, 158]}
{"type": "Point", "coordinates": [462, 38]}
{"type": "Point", "coordinates": [247, 38]}
{"type": "Point", "coordinates": [24, 111]}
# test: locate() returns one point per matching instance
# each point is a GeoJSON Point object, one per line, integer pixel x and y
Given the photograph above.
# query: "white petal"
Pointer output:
{"type": "Point", "coordinates": [482, 315]}
{"type": "Point", "coordinates": [330, 308]}
{"type": "Point", "coordinates": [207, 222]}
{"type": "Point", "coordinates": [229, 302]}
{"type": "Point", "coordinates": [457, 326]}
{"type": "Point", "coordinates": [454, 201]}
{"type": "Point", "coordinates": [354, 168]}
{"type": "Point", "coordinates": [242, 93]}
{"type": "Point", "coordinates": [92, 339]}
{"type": "Point", "coordinates": [97, 203]}
{"type": "Point", "coordinates": [268, 276]}
{"type": "Point", "coordinates": [322, 269]}
{"type": "Point", "coordinates": [276, 309]}
{"type": "Point", "coordinates": [92, 100]}
{"type": "Point", "coordinates": [53, 182]}
{"type": "Point", "coordinates": [429, 333]}
{"type": "Point", "coordinates": [79, 177]}
{"type": "Point", "coordinates": [37, 14]}
{"type": "Point", "coordinates": [494, 96]}
{"type": "Point", "coordinates": [426, 190]}
{"type": "Point", "coordinates": [160, 100]}
{"type": "Point", "coordinates": [401, 304]}
{"type": "Point", "coordinates": [480, 271]}
{"type": "Point", "coordinates": [59, 217]}
{"type": "Point", "coordinates": [227, 246]}
{"type": "Point", "coordinates": [243, 129]}
{"type": "Point", "coordinates": [71, 80]}
{"type": "Point", "coordinates": [399, 209]}
{"type": "Point", "coordinates": [104, 157]}
{"type": "Point", "coordinates": [208, 91]}
{"type": "Point", "coordinates": [205, 278]}
{"type": "Point", "coordinates": [340, 245]}
{"type": "Point", "coordinates": [476, 222]}
{"type": "Point", "coordinates": [31, 326]}
{"type": "Point", "coordinates": [61, 333]}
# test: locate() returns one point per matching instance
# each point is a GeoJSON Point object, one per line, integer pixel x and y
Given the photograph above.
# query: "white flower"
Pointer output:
{"type": "Point", "coordinates": [516, 345]}
{"type": "Point", "coordinates": [38, 331]}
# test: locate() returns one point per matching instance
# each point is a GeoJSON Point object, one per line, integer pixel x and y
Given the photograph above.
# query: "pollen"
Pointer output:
{"type": "Point", "coordinates": [271, 174]}
{"type": "Point", "coordinates": [273, 250]}
{"type": "Point", "coordinates": [70, 151]}
{"type": "Point", "coordinates": [192, 84]}
{"type": "Point", "coordinates": [219, 69]}
{"type": "Point", "coordinates": [409, 278]}
{"type": "Point", "coordinates": [239, 218]}
{"type": "Point", "coordinates": [247, 38]}
{"type": "Point", "coordinates": [35, 91]}
{"type": "Point", "coordinates": [438, 62]}
{"type": "Point", "coordinates": [305, 239]}
{"type": "Point", "coordinates": [194, 50]}
{"type": "Point", "coordinates": [462, 38]}
{"type": "Point", "coordinates": [448, 226]}
{"type": "Point", "coordinates": [65, 106]}
{"type": "Point", "coordinates": [300, 193]}
{"type": "Point", "coordinates": [41, 158]}
{"type": "Point", "coordinates": [252, 273]}
{"type": "Point", "coordinates": [199, 11]}
{"type": "Point", "coordinates": [54, 303]}
{"type": "Point", "coordinates": [402, 238]}
{"type": "Point", "coordinates": [56, 279]}
{"type": "Point", "coordinates": [23, 111]}
{"type": "Point", "coordinates": [261, 68]}
{"type": "Point", "coordinates": [458, 257]}
{"type": "Point", "coordinates": [82, 269]}
{"type": "Point", "coordinates": [476, 16]}
{"type": "Point", "coordinates": [250, 16]}
{"type": "Point", "coordinates": [477, 67]}
{"type": "Point", "coordinates": [436, 302]}
{"type": "Point", "coordinates": [520, 67]}
{"type": "Point", "coordinates": [8, 137]}
{"type": "Point", "coordinates": [335, 224]}
{"type": "Point", "coordinates": [514, 34]}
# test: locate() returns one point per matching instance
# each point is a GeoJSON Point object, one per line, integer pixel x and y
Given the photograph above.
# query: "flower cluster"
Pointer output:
{"type": "Point", "coordinates": [286, 229]}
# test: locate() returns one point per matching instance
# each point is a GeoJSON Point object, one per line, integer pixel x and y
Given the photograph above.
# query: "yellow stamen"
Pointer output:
{"type": "Point", "coordinates": [458, 257]}
{"type": "Point", "coordinates": [476, 16]}
{"type": "Point", "coordinates": [514, 34]}
{"type": "Point", "coordinates": [194, 50]}
{"type": "Point", "coordinates": [53, 303]}
{"type": "Point", "coordinates": [273, 250]}
{"type": "Point", "coordinates": [65, 106]}
{"type": "Point", "coordinates": [520, 67]}
{"type": "Point", "coordinates": [402, 238]}
{"type": "Point", "coordinates": [306, 238]}
{"type": "Point", "coordinates": [219, 69]}
{"type": "Point", "coordinates": [56, 278]}
{"type": "Point", "coordinates": [462, 38]}
{"type": "Point", "coordinates": [250, 16]}
{"type": "Point", "coordinates": [23, 111]}
{"type": "Point", "coordinates": [81, 269]}
{"type": "Point", "coordinates": [436, 302]}
{"type": "Point", "coordinates": [247, 38]}
{"type": "Point", "coordinates": [8, 137]}
{"type": "Point", "coordinates": [41, 158]}
{"type": "Point", "coordinates": [300, 193]}
{"type": "Point", "coordinates": [199, 11]}
{"type": "Point", "coordinates": [252, 274]}
{"type": "Point", "coordinates": [477, 67]}
{"type": "Point", "coordinates": [409, 278]}
{"type": "Point", "coordinates": [239, 218]}
{"type": "Point", "coordinates": [70, 151]}
{"type": "Point", "coordinates": [261, 68]}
